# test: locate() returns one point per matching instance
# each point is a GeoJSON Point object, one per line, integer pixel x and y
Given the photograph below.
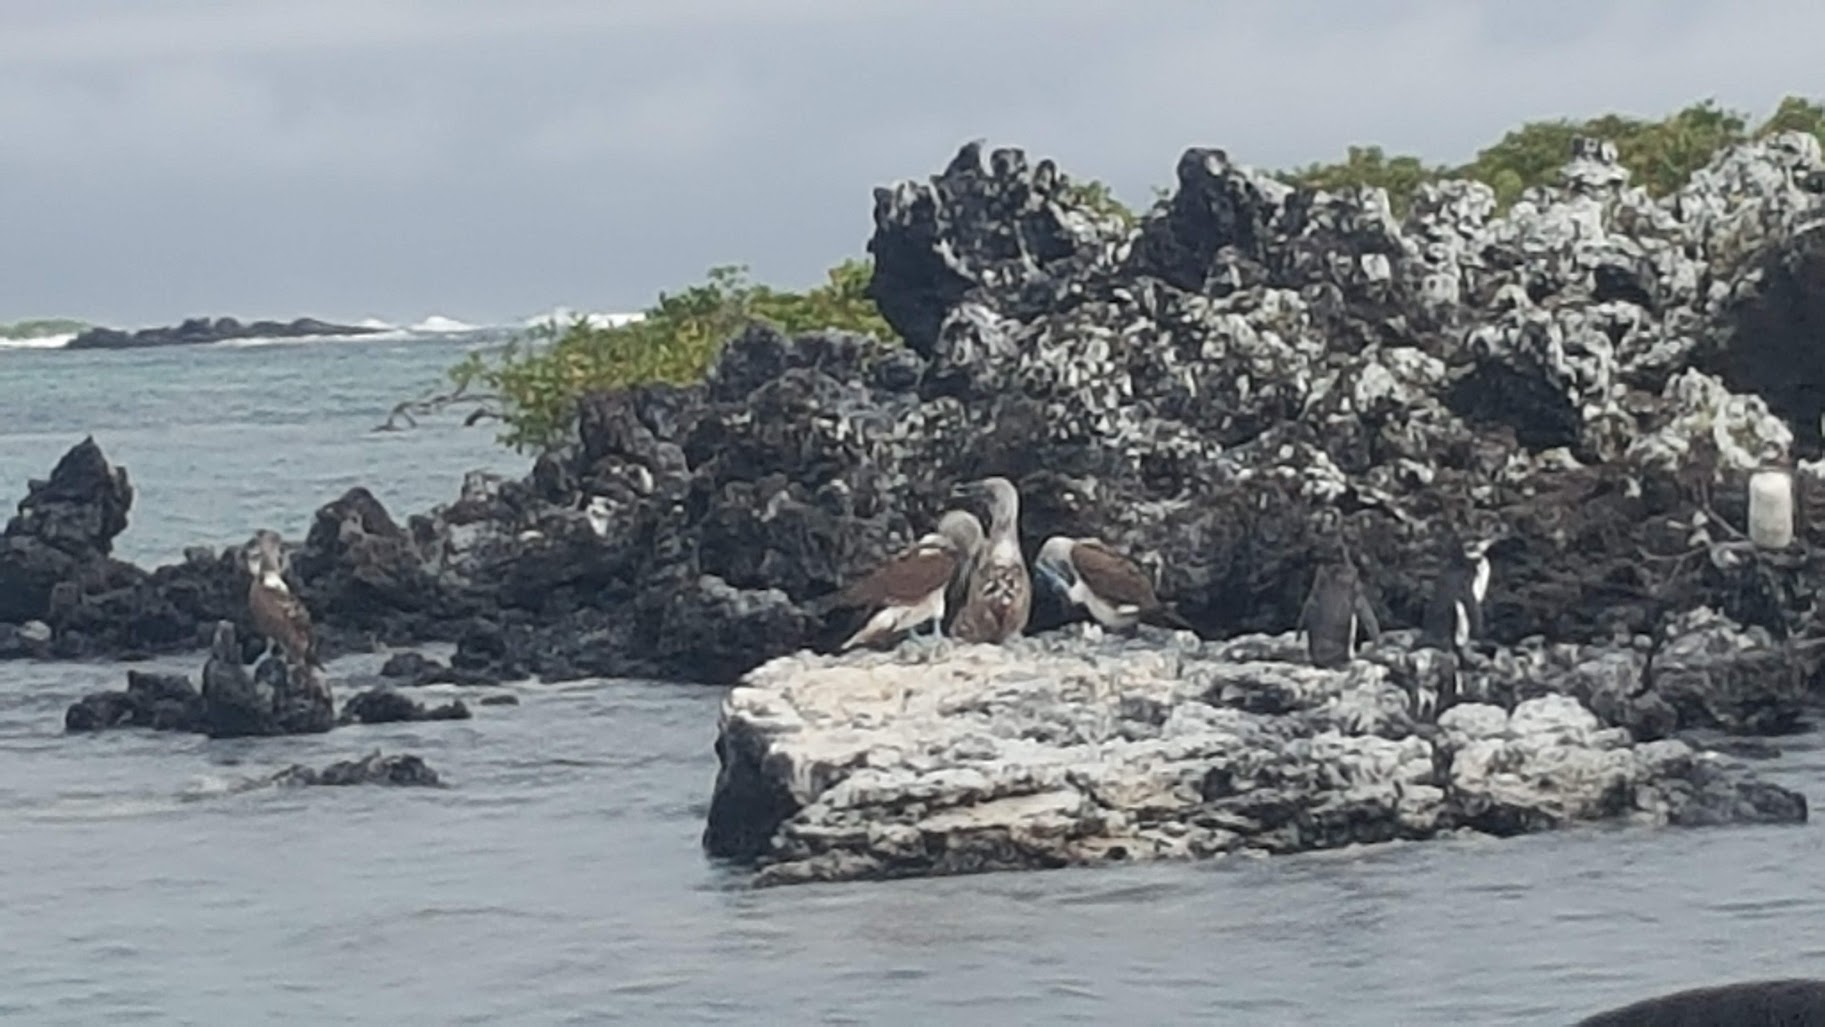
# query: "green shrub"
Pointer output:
{"type": "Point", "coordinates": [1661, 155]}
{"type": "Point", "coordinates": [535, 381]}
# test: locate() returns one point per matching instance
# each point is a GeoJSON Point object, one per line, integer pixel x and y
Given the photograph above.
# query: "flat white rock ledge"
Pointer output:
{"type": "Point", "coordinates": [1070, 749]}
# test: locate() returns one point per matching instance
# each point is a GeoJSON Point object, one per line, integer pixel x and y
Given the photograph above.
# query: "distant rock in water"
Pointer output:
{"type": "Point", "coordinates": [198, 330]}
{"type": "Point", "coordinates": [236, 703]}
{"type": "Point", "coordinates": [386, 706]}
{"type": "Point", "coordinates": [163, 702]}
{"type": "Point", "coordinates": [405, 770]}
{"type": "Point", "coordinates": [1052, 752]}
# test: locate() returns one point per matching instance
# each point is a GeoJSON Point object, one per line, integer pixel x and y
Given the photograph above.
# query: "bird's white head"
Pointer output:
{"type": "Point", "coordinates": [1001, 497]}
{"type": "Point", "coordinates": [963, 530]}
{"type": "Point", "coordinates": [265, 560]}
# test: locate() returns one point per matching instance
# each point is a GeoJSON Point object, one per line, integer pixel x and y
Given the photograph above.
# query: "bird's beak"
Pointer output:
{"type": "Point", "coordinates": [966, 490]}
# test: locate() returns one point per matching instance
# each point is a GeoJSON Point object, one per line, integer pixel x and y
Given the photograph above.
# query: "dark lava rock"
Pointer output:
{"type": "Point", "coordinates": [386, 706]}
{"type": "Point", "coordinates": [1215, 389]}
{"type": "Point", "coordinates": [273, 700]}
{"type": "Point", "coordinates": [415, 670]}
{"type": "Point", "coordinates": [1771, 1003]}
{"type": "Point", "coordinates": [199, 330]}
{"type": "Point", "coordinates": [162, 702]}
{"type": "Point", "coordinates": [405, 769]}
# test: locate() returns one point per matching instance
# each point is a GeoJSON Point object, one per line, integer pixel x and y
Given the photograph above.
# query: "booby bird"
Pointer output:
{"type": "Point", "coordinates": [1110, 586]}
{"type": "Point", "coordinates": [1335, 611]}
{"type": "Point", "coordinates": [278, 613]}
{"type": "Point", "coordinates": [962, 527]}
{"type": "Point", "coordinates": [1454, 615]}
{"type": "Point", "coordinates": [908, 590]}
{"type": "Point", "coordinates": [1000, 595]}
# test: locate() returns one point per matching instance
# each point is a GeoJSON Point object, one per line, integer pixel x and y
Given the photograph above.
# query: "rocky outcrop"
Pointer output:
{"type": "Point", "coordinates": [1202, 390]}
{"type": "Point", "coordinates": [234, 702]}
{"type": "Point", "coordinates": [163, 702]}
{"type": "Point", "coordinates": [200, 330]}
{"type": "Point", "coordinates": [386, 706]}
{"type": "Point", "coordinates": [58, 576]}
{"type": "Point", "coordinates": [1592, 371]}
{"type": "Point", "coordinates": [1765, 1003]}
{"type": "Point", "coordinates": [276, 699]}
{"type": "Point", "coordinates": [401, 770]}
{"type": "Point", "coordinates": [943, 759]}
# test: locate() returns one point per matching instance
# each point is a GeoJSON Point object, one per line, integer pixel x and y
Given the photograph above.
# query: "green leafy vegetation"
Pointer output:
{"type": "Point", "coordinates": [40, 328]}
{"type": "Point", "coordinates": [1661, 155]}
{"type": "Point", "coordinates": [533, 385]}
{"type": "Point", "coordinates": [536, 380]}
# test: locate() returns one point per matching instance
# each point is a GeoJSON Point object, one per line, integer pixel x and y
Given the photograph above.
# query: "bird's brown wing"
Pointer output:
{"type": "Point", "coordinates": [283, 618]}
{"type": "Point", "coordinates": [1113, 576]}
{"type": "Point", "coordinates": [907, 578]}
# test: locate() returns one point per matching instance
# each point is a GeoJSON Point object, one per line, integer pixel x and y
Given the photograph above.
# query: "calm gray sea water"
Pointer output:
{"type": "Point", "coordinates": [559, 879]}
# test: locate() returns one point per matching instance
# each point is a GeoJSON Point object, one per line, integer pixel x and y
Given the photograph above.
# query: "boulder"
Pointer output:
{"type": "Point", "coordinates": [402, 770]}
{"type": "Point", "coordinates": [1074, 749]}
{"type": "Point", "coordinates": [387, 706]}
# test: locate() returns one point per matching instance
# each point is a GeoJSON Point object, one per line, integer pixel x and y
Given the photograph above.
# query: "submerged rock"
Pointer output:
{"type": "Point", "coordinates": [403, 769]}
{"type": "Point", "coordinates": [163, 702]}
{"type": "Point", "coordinates": [386, 706]}
{"type": "Point", "coordinates": [941, 759]}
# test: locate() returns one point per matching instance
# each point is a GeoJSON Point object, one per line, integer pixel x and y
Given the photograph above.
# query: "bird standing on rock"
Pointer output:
{"type": "Point", "coordinates": [962, 527]}
{"type": "Point", "coordinates": [1113, 588]}
{"type": "Point", "coordinates": [1454, 615]}
{"type": "Point", "coordinates": [278, 613]}
{"type": "Point", "coordinates": [1335, 610]}
{"type": "Point", "coordinates": [1000, 595]}
{"type": "Point", "coordinates": [909, 590]}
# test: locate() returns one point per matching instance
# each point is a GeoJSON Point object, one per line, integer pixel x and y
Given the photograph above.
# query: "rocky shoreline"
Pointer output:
{"type": "Point", "coordinates": [198, 331]}
{"type": "Point", "coordinates": [1593, 370]}
{"type": "Point", "coordinates": [1067, 751]}
{"type": "Point", "coordinates": [1592, 373]}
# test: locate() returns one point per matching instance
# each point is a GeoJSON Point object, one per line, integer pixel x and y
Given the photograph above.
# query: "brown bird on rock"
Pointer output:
{"type": "Point", "coordinates": [277, 612]}
{"type": "Point", "coordinates": [1000, 594]}
{"type": "Point", "coordinates": [1113, 588]}
{"type": "Point", "coordinates": [909, 590]}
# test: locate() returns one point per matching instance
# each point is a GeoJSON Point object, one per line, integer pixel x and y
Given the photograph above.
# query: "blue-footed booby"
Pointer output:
{"type": "Point", "coordinates": [909, 590]}
{"type": "Point", "coordinates": [278, 614]}
{"type": "Point", "coordinates": [1335, 610]}
{"type": "Point", "coordinates": [963, 528]}
{"type": "Point", "coordinates": [1000, 595]}
{"type": "Point", "coordinates": [1113, 588]}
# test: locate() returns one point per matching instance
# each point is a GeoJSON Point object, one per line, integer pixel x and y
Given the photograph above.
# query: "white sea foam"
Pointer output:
{"type": "Point", "coordinates": [564, 316]}
{"type": "Point", "coordinates": [440, 323]}
{"type": "Point", "coordinates": [391, 335]}
{"type": "Point", "coordinates": [41, 342]}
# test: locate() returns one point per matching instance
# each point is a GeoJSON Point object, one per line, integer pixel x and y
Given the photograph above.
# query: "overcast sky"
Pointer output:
{"type": "Point", "coordinates": [490, 159]}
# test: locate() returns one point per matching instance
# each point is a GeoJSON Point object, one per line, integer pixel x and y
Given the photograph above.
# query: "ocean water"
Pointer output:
{"type": "Point", "coordinates": [558, 878]}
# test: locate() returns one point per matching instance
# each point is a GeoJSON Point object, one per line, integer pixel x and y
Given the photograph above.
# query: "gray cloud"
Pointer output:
{"type": "Point", "coordinates": [489, 160]}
